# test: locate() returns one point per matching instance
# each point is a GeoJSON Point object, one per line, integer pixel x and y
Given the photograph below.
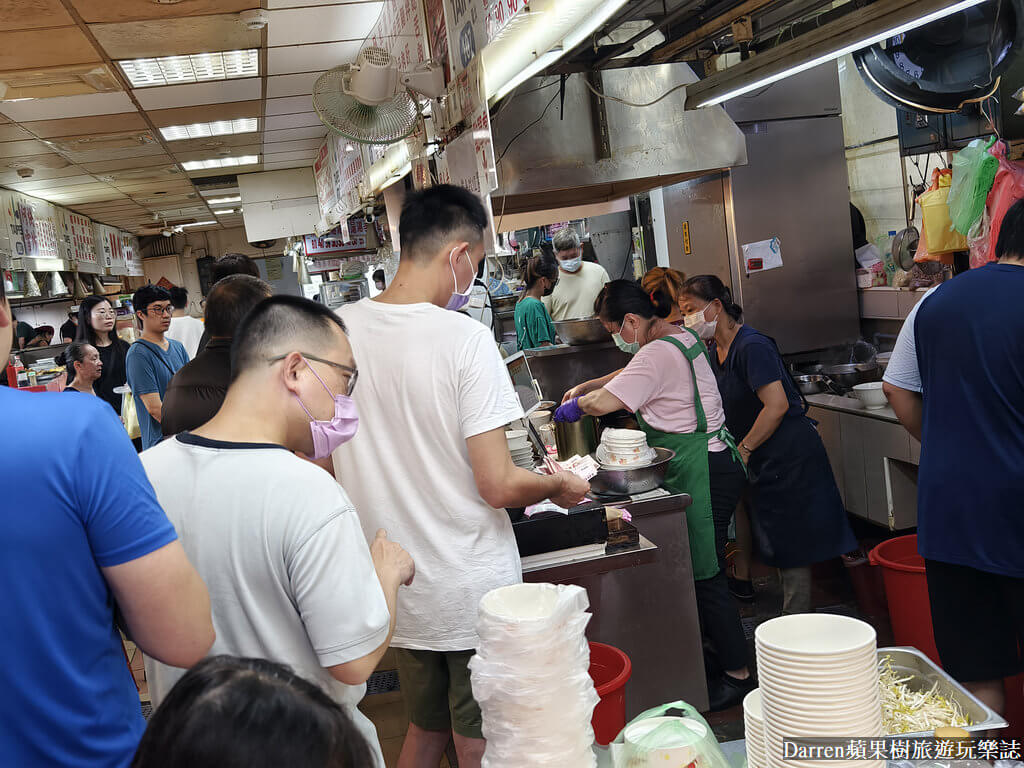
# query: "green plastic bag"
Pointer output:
{"type": "Point", "coordinates": [974, 171]}
{"type": "Point", "coordinates": [673, 735]}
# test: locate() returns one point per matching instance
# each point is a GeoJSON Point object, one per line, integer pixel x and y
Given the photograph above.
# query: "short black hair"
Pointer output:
{"type": "Point", "coordinates": [624, 297]}
{"type": "Point", "coordinates": [233, 264]}
{"type": "Point", "coordinates": [1010, 242]}
{"type": "Point", "coordinates": [148, 294]}
{"type": "Point", "coordinates": [433, 216]}
{"type": "Point", "coordinates": [179, 297]}
{"type": "Point", "coordinates": [230, 712]}
{"type": "Point", "coordinates": [278, 320]}
{"type": "Point", "coordinates": [230, 300]}
{"type": "Point", "coordinates": [378, 275]}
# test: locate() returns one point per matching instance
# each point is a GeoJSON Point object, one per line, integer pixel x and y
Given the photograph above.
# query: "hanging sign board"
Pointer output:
{"type": "Point", "coordinates": [472, 24]}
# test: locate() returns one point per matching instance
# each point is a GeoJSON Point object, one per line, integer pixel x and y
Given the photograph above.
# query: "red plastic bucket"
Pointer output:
{"type": "Point", "coordinates": [906, 590]}
{"type": "Point", "coordinates": [610, 670]}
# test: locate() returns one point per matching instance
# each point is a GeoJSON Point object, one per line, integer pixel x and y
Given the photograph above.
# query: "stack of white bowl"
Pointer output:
{"type": "Point", "coordinates": [520, 448]}
{"type": "Point", "coordinates": [753, 730]}
{"type": "Point", "coordinates": [819, 678]}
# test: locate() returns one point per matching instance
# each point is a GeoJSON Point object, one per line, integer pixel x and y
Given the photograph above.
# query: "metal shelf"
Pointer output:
{"type": "Point", "coordinates": [15, 302]}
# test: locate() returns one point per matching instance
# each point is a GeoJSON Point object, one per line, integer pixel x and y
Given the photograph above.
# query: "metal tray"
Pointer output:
{"type": "Point", "coordinates": [910, 661]}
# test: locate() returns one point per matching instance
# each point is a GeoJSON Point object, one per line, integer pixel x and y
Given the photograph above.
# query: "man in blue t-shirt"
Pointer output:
{"type": "Point", "coordinates": [958, 384]}
{"type": "Point", "coordinates": [80, 528]}
{"type": "Point", "coordinates": [152, 360]}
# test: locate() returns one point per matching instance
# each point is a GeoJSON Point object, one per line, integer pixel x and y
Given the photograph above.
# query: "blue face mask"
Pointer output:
{"type": "Point", "coordinates": [572, 265]}
{"type": "Point", "coordinates": [458, 299]}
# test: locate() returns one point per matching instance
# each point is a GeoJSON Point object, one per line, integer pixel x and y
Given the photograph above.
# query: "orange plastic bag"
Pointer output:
{"type": "Point", "coordinates": [938, 238]}
{"type": "Point", "coordinates": [1007, 189]}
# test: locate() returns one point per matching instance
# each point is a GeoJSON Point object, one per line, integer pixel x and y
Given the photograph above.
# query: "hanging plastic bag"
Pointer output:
{"type": "Point", "coordinates": [977, 240]}
{"type": "Point", "coordinates": [672, 734]}
{"type": "Point", "coordinates": [1007, 189]}
{"type": "Point", "coordinates": [129, 416]}
{"type": "Point", "coordinates": [974, 171]}
{"type": "Point", "coordinates": [936, 228]}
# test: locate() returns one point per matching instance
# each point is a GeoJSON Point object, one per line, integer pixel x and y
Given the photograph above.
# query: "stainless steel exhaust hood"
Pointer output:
{"type": "Point", "coordinates": [558, 162]}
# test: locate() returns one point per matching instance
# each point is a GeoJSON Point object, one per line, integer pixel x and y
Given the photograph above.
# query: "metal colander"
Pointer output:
{"type": "Point", "coordinates": [344, 114]}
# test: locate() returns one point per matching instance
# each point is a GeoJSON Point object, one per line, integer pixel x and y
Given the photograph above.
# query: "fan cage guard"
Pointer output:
{"type": "Point", "coordinates": [384, 123]}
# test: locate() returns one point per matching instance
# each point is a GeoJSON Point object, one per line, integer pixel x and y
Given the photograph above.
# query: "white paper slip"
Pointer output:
{"type": "Point", "coordinates": [762, 255]}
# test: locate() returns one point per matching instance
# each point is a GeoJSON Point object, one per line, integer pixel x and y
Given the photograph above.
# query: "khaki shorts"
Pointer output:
{"type": "Point", "coordinates": [437, 692]}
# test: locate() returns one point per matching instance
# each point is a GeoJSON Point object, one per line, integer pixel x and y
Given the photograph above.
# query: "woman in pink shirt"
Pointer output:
{"type": "Point", "coordinates": [670, 386]}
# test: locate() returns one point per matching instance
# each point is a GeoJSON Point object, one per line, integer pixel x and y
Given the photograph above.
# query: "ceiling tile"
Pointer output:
{"type": "Point", "coordinates": [9, 176]}
{"type": "Point", "coordinates": [22, 148]}
{"type": "Point", "coordinates": [303, 120]}
{"type": "Point", "coordinates": [29, 49]}
{"type": "Point", "coordinates": [132, 162]}
{"type": "Point", "coordinates": [40, 163]}
{"type": "Point", "coordinates": [281, 165]}
{"type": "Point", "coordinates": [206, 154]}
{"type": "Point", "coordinates": [312, 132]}
{"type": "Point", "coordinates": [278, 157]}
{"type": "Point", "coordinates": [217, 92]}
{"type": "Point", "coordinates": [65, 106]}
{"type": "Point", "coordinates": [83, 126]}
{"type": "Point", "coordinates": [11, 132]}
{"type": "Point", "coordinates": [290, 105]}
{"type": "Point", "coordinates": [173, 37]}
{"type": "Point", "coordinates": [19, 14]}
{"type": "Point", "coordinates": [213, 143]}
{"type": "Point", "coordinates": [322, 25]}
{"type": "Point", "coordinates": [97, 11]}
{"type": "Point", "coordinates": [292, 146]}
{"type": "Point", "coordinates": [276, 4]}
{"type": "Point", "coordinates": [101, 155]}
{"type": "Point", "coordinates": [291, 85]}
{"type": "Point", "coordinates": [28, 186]}
{"type": "Point", "coordinates": [311, 58]}
{"type": "Point", "coordinates": [187, 115]}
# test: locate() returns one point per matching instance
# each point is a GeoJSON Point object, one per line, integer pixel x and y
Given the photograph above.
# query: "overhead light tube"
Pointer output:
{"type": "Point", "coordinates": [837, 54]}
{"type": "Point", "coordinates": [539, 64]}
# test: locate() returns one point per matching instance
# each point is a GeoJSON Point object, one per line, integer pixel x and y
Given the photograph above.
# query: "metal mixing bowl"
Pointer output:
{"type": "Point", "coordinates": [628, 482]}
{"type": "Point", "coordinates": [584, 331]}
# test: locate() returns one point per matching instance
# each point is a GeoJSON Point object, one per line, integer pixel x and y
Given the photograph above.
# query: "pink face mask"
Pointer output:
{"type": "Point", "coordinates": [328, 435]}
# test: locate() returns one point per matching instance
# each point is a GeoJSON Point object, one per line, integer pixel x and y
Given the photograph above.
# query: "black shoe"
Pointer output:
{"type": "Point", "coordinates": [725, 691]}
{"type": "Point", "coordinates": [742, 589]}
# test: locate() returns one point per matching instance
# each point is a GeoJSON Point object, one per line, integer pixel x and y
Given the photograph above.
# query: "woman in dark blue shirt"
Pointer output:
{"type": "Point", "coordinates": [797, 514]}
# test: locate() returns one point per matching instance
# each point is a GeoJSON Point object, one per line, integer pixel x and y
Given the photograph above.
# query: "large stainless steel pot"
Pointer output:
{"type": "Point", "coordinates": [576, 438]}
{"type": "Point", "coordinates": [847, 375]}
{"type": "Point", "coordinates": [627, 482]}
{"type": "Point", "coordinates": [504, 303]}
{"type": "Point", "coordinates": [579, 332]}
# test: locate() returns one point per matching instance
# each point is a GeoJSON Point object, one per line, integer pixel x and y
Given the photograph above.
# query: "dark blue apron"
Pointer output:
{"type": "Point", "coordinates": [797, 515]}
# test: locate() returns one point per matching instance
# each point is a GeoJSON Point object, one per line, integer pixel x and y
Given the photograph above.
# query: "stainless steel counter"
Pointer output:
{"type": "Point", "coordinates": [559, 369]}
{"type": "Point", "coordinates": [851, 404]}
{"type": "Point", "coordinates": [643, 602]}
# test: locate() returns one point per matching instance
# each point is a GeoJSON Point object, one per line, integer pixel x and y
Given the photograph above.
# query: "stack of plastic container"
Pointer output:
{"type": "Point", "coordinates": [530, 677]}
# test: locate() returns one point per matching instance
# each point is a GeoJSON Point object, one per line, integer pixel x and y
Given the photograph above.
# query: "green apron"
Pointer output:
{"type": "Point", "coordinates": [688, 472]}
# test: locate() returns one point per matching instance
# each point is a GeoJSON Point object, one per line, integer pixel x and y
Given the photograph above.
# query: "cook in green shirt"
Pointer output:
{"type": "Point", "coordinates": [534, 327]}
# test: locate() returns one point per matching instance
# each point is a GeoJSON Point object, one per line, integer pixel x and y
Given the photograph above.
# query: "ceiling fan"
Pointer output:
{"type": "Point", "coordinates": [372, 101]}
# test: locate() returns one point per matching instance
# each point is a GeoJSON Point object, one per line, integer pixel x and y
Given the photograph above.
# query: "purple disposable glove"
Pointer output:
{"type": "Point", "coordinates": [570, 411]}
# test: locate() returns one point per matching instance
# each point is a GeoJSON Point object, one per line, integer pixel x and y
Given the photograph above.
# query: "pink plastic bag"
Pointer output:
{"type": "Point", "coordinates": [1007, 189]}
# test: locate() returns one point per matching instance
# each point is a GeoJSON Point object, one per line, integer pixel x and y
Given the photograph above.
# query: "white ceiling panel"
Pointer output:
{"type": "Point", "coordinates": [312, 132]}
{"type": "Point", "coordinates": [304, 120]}
{"type": "Point", "coordinates": [278, 4]}
{"type": "Point", "coordinates": [280, 166]}
{"type": "Point", "coordinates": [29, 186]}
{"type": "Point", "coordinates": [68, 106]}
{"type": "Point", "coordinates": [292, 146]}
{"type": "Point", "coordinates": [217, 92]}
{"type": "Point", "coordinates": [288, 156]}
{"type": "Point", "coordinates": [311, 58]}
{"type": "Point", "coordinates": [322, 24]}
{"type": "Point", "coordinates": [291, 85]}
{"type": "Point", "coordinates": [290, 105]}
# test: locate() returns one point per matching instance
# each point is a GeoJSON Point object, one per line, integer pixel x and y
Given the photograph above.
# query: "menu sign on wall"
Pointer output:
{"type": "Point", "coordinates": [323, 173]}
{"type": "Point", "coordinates": [82, 243]}
{"type": "Point", "coordinates": [472, 24]}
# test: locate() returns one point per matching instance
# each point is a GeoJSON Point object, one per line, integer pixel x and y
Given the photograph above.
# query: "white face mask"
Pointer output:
{"type": "Point", "coordinates": [696, 322]}
{"type": "Point", "coordinates": [571, 265]}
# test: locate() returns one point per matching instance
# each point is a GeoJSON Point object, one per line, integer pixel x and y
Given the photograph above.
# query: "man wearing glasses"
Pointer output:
{"type": "Point", "coordinates": [152, 360]}
{"type": "Point", "coordinates": [274, 537]}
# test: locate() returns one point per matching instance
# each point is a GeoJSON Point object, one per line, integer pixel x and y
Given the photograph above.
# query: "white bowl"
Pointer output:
{"type": "Point", "coordinates": [752, 706]}
{"type": "Point", "coordinates": [871, 394]}
{"type": "Point", "coordinates": [867, 654]}
{"type": "Point", "coordinates": [815, 677]}
{"type": "Point", "coordinates": [815, 634]}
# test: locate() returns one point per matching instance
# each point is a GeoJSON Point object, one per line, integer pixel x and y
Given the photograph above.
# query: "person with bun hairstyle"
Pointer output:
{"type": "Point", "coordinates": [96, 326]}
{"type": "Point", "coordinates": [84, 367]}
{"type": "Point", "coordinates": [797, 513]}
{"type": "Point", "coordinates": [669, 282]}
{"type": "Point", "coordinates": [670, 386]}
{"type": "Point", "coordinates": [534, 327]}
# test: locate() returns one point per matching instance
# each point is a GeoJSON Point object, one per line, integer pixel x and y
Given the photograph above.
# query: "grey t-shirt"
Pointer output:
{"type": "Point", "coordinates": [282, 552]}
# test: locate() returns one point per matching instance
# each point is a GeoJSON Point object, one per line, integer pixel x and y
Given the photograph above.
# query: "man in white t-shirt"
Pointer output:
{"type": "Point", "coordinates": [579, 282]}
{"type": "Point", "coordinates": [184, 328]}
{"type": "Point", "coordinates": [274, 537]}
{"type": "Point", "coordinates": [431, 463]}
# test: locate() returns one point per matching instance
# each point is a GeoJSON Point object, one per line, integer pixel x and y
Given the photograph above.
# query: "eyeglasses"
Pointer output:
{"type": "Point", "coordinates": [353, 374]}
{"type": "Point", "coordinates": [104, 313]}
{"type": "Point", "coordinates": [160, 311]}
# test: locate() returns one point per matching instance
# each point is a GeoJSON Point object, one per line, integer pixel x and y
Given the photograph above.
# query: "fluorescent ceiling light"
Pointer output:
{"type": "Point", "coordinates": [198, 224]}
{"type": "Point", "coordinates": [219, 162]}
{"type": "Point", "coordinates": [193, 68]}
{"type": "Point", "coordinates": [827, 57]}
{"type": "Point", "coordinates": [217, 128]}
{"type": "Point", "coordinates": [542, 62]}
{"type": "Point", "coordinates": [594, 20]}
{"type": "Point", "coordinates": [224, 212]}
{"type": "Point", "coordinates": [223, 200]}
